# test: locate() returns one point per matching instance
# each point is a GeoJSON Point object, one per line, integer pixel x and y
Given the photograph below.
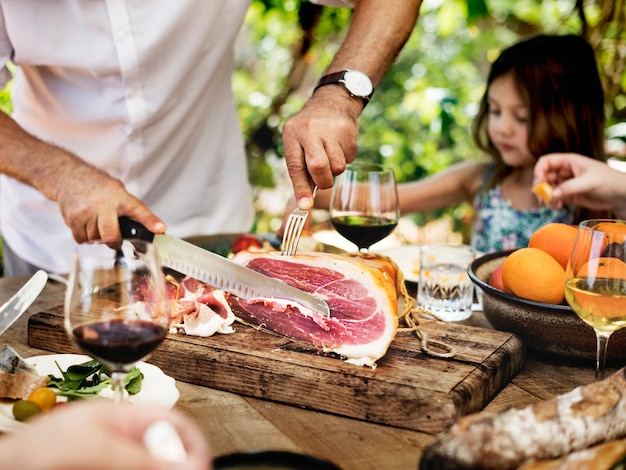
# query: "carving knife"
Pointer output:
{"type": "Point", "coordinates": [19, 303]}
{"type": "Point", "coordinates": [218, 271]}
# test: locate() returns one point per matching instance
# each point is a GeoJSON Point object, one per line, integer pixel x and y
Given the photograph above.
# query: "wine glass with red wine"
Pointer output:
{"type": "Point", "coordinates": [116, 308]}
{"type": "Point", "coordinates": [364, 204]}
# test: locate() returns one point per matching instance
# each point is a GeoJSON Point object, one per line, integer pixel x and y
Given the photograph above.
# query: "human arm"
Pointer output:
{"type": "Point", "coordinates": [322, 138]}
{"type": "Point", "coordinates": [99, 435]}
{"type": "Point", "coordinates": [89, 199]}
{"type": "Point", "coordinates": [582, 181]}
{"type": "Point", "coordinates": [453, 185]}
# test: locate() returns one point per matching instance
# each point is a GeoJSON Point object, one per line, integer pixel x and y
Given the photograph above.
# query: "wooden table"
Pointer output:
{"type": "Point", "coordinates": [235, 423]}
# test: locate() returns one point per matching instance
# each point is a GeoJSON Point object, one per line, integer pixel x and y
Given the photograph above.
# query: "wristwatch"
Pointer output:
{"type": "Point", "coordinates": [357, 83]}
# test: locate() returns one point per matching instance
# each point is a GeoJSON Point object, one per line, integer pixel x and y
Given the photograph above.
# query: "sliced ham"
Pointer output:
{"type": "Point", "coordinates": [198, 309]}
{"type": "Point", "coordinates": [361, 293]}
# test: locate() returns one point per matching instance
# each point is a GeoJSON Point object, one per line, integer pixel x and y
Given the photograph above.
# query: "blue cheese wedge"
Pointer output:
{"type": "Point", "coordinates": [12, 363]}
{"type": "Point", "coordinates": [17, 377]}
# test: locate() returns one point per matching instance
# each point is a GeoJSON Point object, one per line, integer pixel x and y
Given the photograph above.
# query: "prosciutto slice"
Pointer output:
{"type": "Point", "coordinates": [198, 309]}
{"type": "Point", "coordinates": [361, 293]}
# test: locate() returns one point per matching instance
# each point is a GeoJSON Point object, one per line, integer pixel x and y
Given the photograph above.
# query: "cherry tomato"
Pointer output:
{"type": "Point", "coordinates": [245, 242]}
{"type": "Point", "coordinates": [44, 397]}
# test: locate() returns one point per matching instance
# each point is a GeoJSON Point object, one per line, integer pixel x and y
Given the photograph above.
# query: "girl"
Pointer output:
{"type": "Point", "coordinates": [543, 95]}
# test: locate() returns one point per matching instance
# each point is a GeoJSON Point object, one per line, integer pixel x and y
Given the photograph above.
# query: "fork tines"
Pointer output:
{"type": "Point", "coordinates": [293, 230]}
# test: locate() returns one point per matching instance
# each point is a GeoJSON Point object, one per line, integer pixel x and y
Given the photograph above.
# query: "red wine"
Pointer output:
{"type": "Point", "coordinates": [363, 231]}
{"type": "Point", "coordinates": [119, 342]}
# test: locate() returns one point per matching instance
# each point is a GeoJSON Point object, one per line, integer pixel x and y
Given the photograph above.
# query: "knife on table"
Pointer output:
{"type": "Point", "coordinates": [19, 303]}
{"type": "Point", "coordinates": [218, 271]}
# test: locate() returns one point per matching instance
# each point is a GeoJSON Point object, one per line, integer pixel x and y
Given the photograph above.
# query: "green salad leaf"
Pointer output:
{"type": "Point", "coordinates": [88, 379]}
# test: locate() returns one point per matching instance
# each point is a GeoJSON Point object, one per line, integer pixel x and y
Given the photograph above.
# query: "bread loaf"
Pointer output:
{"type": "Point", "coordinates": [609, 455]}
{"type": "Point", "coordinates": [581, 418]}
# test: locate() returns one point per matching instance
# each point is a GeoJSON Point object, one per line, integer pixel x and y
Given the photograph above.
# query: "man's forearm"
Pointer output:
{"type": "Point", "coordinates": [30, 160]}
{"type": "Point", "coordinates": [377, 32]}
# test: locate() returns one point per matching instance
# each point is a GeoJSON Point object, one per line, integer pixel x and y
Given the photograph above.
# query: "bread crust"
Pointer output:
{"type": "Point", "coordinates": [19, 385]}
{"type": "Point", "coordinates": [579, 419]}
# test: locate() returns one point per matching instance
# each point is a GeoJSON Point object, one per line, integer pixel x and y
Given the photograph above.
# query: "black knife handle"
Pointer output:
{"type": "Point", "coordinates": [133, 229]}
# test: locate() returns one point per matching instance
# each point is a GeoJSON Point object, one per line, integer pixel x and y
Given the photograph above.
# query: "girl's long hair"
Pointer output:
{"type": "Point", "coordinates": [558, 81]}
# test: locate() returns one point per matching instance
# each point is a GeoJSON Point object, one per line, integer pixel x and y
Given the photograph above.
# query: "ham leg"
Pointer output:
{"type": "Point", "coordinates": [360, 292]}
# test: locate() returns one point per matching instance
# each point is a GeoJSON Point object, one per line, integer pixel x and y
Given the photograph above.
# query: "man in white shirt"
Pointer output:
{"type": "Point", "coordinates": [126, 108]}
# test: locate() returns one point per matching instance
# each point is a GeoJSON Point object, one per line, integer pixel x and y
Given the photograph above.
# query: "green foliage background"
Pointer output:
{"type": "Point", "coordinates": [419, 118]}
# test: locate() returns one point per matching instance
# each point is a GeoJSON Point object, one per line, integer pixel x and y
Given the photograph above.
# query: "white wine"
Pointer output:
{"type": "Point", "coordinates": [601, 303]}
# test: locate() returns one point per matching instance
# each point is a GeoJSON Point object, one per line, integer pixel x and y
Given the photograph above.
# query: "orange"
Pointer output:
{"type": "Point", "coordinates": [594, 243]}
{"type": "Point", "coordinates": [556, 239]}
{"type": "Point", "coordinates": [533, 274]}
{"type": "Point", "coordinates": [612, 268]}
{"type": "Point", "coordinates": [544, 191]}
{"type": "Point", "coordinates": [615, 231]}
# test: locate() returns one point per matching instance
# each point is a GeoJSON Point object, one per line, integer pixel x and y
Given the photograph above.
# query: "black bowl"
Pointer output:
{"type": "Point", "coordinates": [551, 330]}
{"type": "Point", "coordinates": [271, 459]}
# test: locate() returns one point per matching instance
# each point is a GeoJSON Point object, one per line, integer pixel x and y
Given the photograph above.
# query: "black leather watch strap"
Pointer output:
{"type": "Point", "coordinates": [330, 79]}
{"type": "Point", "coordinates": [338, 77]}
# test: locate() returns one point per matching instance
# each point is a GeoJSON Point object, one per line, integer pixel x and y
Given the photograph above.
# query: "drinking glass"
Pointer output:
{"type": "Point", "coordinates": [445, 288]}
{"type": "Point", "coordinates": [595, 285]}
{"type": "Point", "coordinates": [364, 204]}
{"type": "Point", "coordinates": [116, 309]}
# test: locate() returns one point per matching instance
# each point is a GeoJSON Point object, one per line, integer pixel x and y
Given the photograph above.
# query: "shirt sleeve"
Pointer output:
{"type": "Point", "coordinates": [334, 3]}
{"type": "Point", "coordinates": [6, 51]}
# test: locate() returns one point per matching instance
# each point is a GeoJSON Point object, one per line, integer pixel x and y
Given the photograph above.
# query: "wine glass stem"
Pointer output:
{"type": "Point", "coordinates": [364, 250]}
{"type": "Point", "coordinates": [602, 342]}
{"type": "Point", "coordinates": [118, 386]}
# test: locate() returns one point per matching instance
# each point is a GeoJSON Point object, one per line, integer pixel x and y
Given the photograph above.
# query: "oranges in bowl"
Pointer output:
{"type": "Point", "coordinates": [533, 274]}
{"type": "Point", "coordinates": [537, 272]}
{"type": "Point", "coordinates": [556, 239]}
{"type": "Point", "coordinates": [523, 293]}
{"type": "Point", "coordinates": [552, 331]}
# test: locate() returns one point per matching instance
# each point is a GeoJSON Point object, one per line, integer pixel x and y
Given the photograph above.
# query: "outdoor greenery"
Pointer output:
{"type": "Point", "coordinates": [419, 118]}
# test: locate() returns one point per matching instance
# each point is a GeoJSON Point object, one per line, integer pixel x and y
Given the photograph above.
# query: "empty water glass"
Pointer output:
{"type": "Point", "coordinates": [445, 288]}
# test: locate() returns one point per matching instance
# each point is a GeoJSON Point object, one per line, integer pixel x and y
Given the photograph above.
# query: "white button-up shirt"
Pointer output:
{"type": "Point", "coordinates": [139, 89]}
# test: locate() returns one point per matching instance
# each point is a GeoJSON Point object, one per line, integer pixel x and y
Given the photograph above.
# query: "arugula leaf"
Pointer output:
{"type": "Point", "coordinates": [88, 379]}
{"type": "Point", "coordinates": [134, 380]}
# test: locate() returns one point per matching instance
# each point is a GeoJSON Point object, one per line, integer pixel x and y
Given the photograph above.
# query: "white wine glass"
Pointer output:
{"type": "Point", "coordinates": [116, 308]}
{"type": "Point", "coordinates": [364, 204]}
{"type": "Point", "coordinates": [595, 284]}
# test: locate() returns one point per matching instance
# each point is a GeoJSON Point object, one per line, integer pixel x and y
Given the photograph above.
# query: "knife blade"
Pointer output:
{"type": "Point", "coordinates": [23, 298]}
{"type": "Point", "coordinates": [218, 271]}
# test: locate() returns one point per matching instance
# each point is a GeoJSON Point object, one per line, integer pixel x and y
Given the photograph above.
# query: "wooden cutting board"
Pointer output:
{"type": "Point", "coordinates": [408, 388]}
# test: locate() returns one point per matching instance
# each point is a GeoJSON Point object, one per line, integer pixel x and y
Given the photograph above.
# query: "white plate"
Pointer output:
{"type": "Point", "coordinates": [156, 389]}
{"type": "Point", "coordinates": [407, 257]}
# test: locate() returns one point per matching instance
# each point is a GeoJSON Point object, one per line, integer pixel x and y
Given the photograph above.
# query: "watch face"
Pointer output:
{"type": "Point", "coordinates": [358, 83]}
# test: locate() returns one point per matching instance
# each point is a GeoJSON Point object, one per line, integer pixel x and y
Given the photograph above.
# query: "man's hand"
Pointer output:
{"type": "Point", "coordinates": [90, 200]}
{"type": "Point", "coordinates": [92, 204]}
{"type": "Point", "coordinates": [320, 140]}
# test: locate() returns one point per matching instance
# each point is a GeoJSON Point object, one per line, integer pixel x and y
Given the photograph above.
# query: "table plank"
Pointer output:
{"type": "Point", "coordinates": [235, 423]}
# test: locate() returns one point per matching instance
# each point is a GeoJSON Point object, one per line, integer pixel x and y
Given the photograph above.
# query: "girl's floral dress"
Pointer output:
{"type": "Point", "coordinates": [497, 226]}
